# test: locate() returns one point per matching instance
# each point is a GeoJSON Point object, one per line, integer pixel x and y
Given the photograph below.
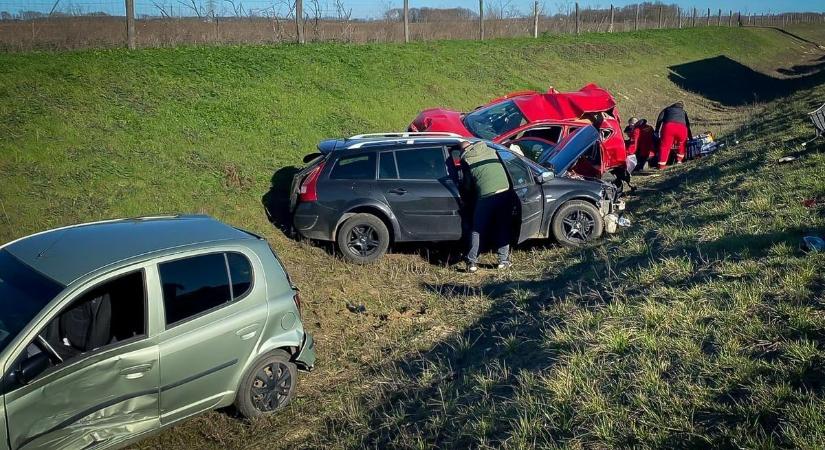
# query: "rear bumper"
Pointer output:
{"type": "Point", "coordinates": [312, 222]}
{"type": "Point", "coordinates": [306, 357]}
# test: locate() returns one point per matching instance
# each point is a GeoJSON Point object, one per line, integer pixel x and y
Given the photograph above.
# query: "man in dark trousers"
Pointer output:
{"type": "Point", "coordinates": [485, 186]}
{"type": "Point", "coordinates": [673, 127]}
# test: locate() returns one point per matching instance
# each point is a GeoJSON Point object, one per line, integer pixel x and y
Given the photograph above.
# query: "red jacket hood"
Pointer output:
{"type": "Point", "coordinates": [439, 119]}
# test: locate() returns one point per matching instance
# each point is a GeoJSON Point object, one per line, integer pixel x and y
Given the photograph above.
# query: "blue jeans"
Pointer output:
{"type": "Point", "coordinates": [491, 222]}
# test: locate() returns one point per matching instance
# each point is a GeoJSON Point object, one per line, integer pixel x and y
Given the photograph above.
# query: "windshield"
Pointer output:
{"type": "Point", "coordinates": [491, 122]}
{"type": "Point", "coordinates": [23, 293]}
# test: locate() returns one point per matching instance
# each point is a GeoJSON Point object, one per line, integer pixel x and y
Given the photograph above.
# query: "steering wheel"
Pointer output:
{"type": "Point", "coordinates": [45, 346]}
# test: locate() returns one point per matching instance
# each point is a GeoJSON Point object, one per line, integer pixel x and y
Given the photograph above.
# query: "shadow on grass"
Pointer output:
{"type": "Point", "coordinates": [731, 83]}
{"type": "Point", "coordinates": [276, 201]}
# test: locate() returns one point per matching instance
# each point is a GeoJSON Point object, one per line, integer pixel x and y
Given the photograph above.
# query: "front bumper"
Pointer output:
{"type": "Point", "coordinates": [306, 357]}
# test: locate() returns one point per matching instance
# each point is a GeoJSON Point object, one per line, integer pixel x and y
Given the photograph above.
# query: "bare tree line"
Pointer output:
{"type": "Point", "coordinates": [175, 22]}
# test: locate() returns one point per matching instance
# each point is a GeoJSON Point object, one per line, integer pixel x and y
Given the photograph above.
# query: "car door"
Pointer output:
{"type": "Point", "coordinates": [95, 396]}
{"type": "Point", "coordinates": [214, 308]}
{"type": "Point", "coordinates": [529, 193]}
{"type": "Point", "coordinates": [425, 199]}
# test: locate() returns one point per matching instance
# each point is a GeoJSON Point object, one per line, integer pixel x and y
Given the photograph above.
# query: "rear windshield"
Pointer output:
{"type": "Point", "coordinates": [24, 292]}
{"type": "Point", "coordinates": [493, 121]}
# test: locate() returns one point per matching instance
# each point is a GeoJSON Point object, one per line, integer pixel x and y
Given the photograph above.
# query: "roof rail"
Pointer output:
{"type": "Point", "coordinates": [406, 134]}
{"type": "Point", "coordinates": [408, 141]}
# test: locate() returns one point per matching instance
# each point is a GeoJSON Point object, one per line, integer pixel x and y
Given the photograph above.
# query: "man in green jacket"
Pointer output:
{"type": "Point", "coordinates": [485, 189]}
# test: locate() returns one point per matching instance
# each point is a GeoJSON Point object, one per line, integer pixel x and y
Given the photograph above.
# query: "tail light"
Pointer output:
{"type": "Point", "coordinates": [309, 187]}
{"type": "Point", "coordinates": [297, 299]}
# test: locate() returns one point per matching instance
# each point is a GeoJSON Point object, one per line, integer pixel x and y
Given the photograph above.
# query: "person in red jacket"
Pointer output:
{"type": "Point", "coordinates": [673, 127]}
{"type": "Point", "coordinates": [642, 143]}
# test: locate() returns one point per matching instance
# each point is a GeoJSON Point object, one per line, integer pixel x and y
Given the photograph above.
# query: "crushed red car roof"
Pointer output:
{"type": "Point", "coordinates": [565, 105]}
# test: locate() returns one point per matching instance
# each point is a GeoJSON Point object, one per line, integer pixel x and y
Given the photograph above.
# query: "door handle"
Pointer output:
{"type": "Point", "coordinates": [135, 372]}
{"type": "Point", "coordinates": [399, 191]}
{"type": "Point", "coordinates": [247, 333]}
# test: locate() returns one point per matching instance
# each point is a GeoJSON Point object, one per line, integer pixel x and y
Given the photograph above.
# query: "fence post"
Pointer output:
{"type": "Point", "coordinates": [660, 18]}
{"type": "Point", "coordinates": [739, 18]}
{"type": "Point", "coordinates": [708, 16]}
{"type": "Point", "coordinates": [481, 20]}
{"type": "Point", "coordinates": [610, 29]}
{"type": "Point", "coordinates": [693, 21]}
{"type": "Point", "coordinates": [406, 21]}
{"type": "Point", "coordinates": [636, 22]}
{"type": "Point", "coordinates": [130, 24]}
{"type": "Point", "coordinates": [679, 14]}
{"type": "Point", "coordinates": [730, 18]}
{"type": "Point", "coordinates": [719, 18]}
{"type": "Point", "coordinates": [577, 17]}
{"type": "Point", "coordinates": [536, 19]}
{"type": "Point", "coordinates": [299, 20]}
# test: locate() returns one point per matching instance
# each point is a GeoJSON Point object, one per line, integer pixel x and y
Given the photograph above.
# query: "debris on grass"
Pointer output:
{"type": "Point", "coordinates": [812, 244]}
{"type": "Point", "coordinates": [357, 309]}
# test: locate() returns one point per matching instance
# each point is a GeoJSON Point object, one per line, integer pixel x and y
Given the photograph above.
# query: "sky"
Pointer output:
{"type": "Point", "coordinates": [374, 8]}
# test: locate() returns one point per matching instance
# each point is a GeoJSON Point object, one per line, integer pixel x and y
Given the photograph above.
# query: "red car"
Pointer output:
{"type": "Point", "coordinates": [535, 122]}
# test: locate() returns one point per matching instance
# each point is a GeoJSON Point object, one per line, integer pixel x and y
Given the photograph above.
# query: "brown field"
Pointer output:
{"type": "Point", "coordinates": [65, 33]}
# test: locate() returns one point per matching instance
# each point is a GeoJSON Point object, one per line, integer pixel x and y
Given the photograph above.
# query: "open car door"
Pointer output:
{"type": "Point", "coordinates": [529, 193]}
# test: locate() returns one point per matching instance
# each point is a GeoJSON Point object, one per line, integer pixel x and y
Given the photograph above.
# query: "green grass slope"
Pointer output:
{"type": "Point", "coordinates": [701, 325]}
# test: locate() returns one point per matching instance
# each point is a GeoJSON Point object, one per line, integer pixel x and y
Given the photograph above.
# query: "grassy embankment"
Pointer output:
{"type": "Point", "coordinates": [702, 324]}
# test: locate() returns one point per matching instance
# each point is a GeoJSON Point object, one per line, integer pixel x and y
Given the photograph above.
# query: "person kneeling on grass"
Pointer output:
{"type": "Point", "coordinates": [642, 144]}
{"type": "Point", "coordinates": [484, 184]}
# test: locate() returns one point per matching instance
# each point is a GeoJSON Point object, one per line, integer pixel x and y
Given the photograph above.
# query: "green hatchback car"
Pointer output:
{"type": "Point", "coordinates": [112, 330]}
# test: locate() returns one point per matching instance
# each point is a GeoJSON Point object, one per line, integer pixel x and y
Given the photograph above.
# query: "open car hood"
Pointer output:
{"type": "Point", "coordinates": [561, 157]}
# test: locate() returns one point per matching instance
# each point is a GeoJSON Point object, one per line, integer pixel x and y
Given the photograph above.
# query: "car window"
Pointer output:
{"type": "Point", "coordinates": [495, 120]}
{"type": "Point", "coordinates": [386, 166]}
{"type": "Point", "coordinates": [24, 292]}
{"type": "Point", "coordinates": [358, 167]}
{"type": "Point", "coordinates": [520, 175]}
{"type": "Point", "coordinates": [550, 133]}
{"type": "Point", "coordinates": [533, 148]}
{"type": "Point", "coordinates": [421, 164]}
{"type": "Point", "coordinates": [110, 313]}
{"type": "Point", "coordinates": [240, 274]}
{"type": "Point", "coordinates": [194, 285]}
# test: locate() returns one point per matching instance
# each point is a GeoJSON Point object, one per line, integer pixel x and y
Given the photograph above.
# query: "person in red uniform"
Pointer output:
{"type": "Point", "coordinates": [642, 143]}
{"type": "Point", "coordinates": [673, 127]}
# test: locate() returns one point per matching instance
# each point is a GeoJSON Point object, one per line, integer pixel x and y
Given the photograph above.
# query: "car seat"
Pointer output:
{"type": "Point", "coordinates": [82, 328]}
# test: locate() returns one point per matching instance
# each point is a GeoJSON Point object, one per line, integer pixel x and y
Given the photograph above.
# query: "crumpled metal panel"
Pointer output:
{"type": "Point", "coordinates": [103, 427]}
{"type": "Point", "coordinates": [97, 400]}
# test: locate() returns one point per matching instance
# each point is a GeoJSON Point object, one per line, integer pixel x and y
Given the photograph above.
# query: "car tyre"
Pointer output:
{"type": "Point", "coordinates": [576, 223]}
{"type": "Point", "coordinates": [363, 238]}
{"type": "Point", "coordinates": [268, 386]}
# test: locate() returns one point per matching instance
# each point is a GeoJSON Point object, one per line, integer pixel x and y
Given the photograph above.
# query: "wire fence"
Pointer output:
{"type": "Point", "coordinates": [68, 24]}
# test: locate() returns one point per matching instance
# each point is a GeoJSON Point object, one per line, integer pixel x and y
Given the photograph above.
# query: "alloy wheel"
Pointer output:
{"type": "Point", "coordinates": [271, 386]}
{"type": "Point", "coordinates": [578, 226]}
{"type": "Point", "coordinates": [362, 240]}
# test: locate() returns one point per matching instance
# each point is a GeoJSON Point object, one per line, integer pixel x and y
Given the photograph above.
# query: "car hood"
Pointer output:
{"type": "Point", "coordinates": [562, 156]}
{"type": "Point", "coordinates": [439, 119]}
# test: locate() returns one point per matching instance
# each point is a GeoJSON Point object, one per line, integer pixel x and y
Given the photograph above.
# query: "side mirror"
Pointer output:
{"type": "Point", "coordinates": [31, 367]}
{"type": "Point", "coordinates": [545, 177]}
